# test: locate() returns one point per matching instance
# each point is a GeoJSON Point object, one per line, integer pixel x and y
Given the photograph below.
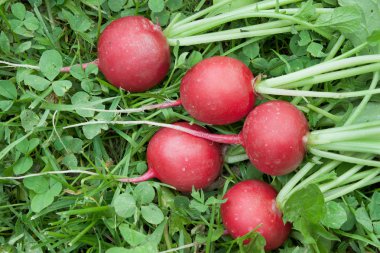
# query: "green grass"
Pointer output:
{"type": "Point", "coordinates": [48, 207]}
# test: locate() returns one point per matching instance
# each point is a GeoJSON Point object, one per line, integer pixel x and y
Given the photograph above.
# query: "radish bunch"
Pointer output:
{"type": "Point", "coordinates": [221, 90]}
{"type": "Point", "coordinates": [275, 137]}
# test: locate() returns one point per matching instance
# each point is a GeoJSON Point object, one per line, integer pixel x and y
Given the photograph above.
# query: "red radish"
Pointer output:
{"type": "Point", "coordinates": [182, 160]}
{"type": "Point", "coordinates": [218, 90]}
{"type": "Point", "coordinates": [252, 205]}
{"type": "Point", "coordinates": [133, 53]}
{"type": "Point", "coordinates": [274, 137]}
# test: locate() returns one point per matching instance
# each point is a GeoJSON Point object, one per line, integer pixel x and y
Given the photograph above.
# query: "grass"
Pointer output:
{"type": "Point", "coordinates": [47, 206]}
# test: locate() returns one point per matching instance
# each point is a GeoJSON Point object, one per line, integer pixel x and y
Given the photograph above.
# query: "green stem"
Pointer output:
{"type": "Point", "coordinates": [354, 115]}
{"type": "Point", "coordinates": [191, 29]}
{"type": "Point", "coordinates": [359, 176]}
{"type": "Point", "coordinates": [84, 211]}
{"type": "Point", "coordinates": [338, 192]}
{"type": "Point", "coordinates": [211, 229]}
{"type": "Point", "coordinates": [189, 22]}
{"type": "Point", "coordinates": [343, 158]}
{"type": "Point", "coordinates": [318, 138]}
{"type": "Point", "coordinates": [257, 27]}
{"type": "Point", "coordinates": [82, 233]}
{"type": "Point", "coordinates": [284, 193]}
{"type": "Point", "coordinates": [338, 44]}
{"type": "Point", "coordinates": [319, 94]}
{"type": "Point", "coordinates": [351, 52]}
{"type": "Point", "coordinates": [247, 42]}
{"type": "Point", "coordinates": [297, 99]}
{"type": "Point", "coordinates": [324, 113]}
{"type": "Point", "coordinates": [236, 158]}
{"type": "Point", "coordinates": [320, 69]}
{"type": "Point", "coordinates": [216, 37]}
{"type": "Point", "coordinates": [48, 8]}
{"type": "Point", "coordinates": [358, 146]}
{"type": "Point", "coordinates": [197, 15]}
{"type": "Point", "coordinates": [328, 77]}
{"type": "Point", "coordinates": [358, 126]}
{"type": "Point", "coordinates": [312, 178]}
{"type": "Point", "coordinates": [348, 177]}
{"type": "Point", "coordinates": [226, 33]}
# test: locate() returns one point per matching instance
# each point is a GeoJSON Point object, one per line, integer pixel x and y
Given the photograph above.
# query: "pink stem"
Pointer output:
{"type": "Point", "coordinates": [164, 105]}
{"type": "Point", "coordinates": [84, 65]}
{"type": "Point", "coordinates": [151, 107]}
{"type": "Point", "coordinates": [146, 176]}
{"type": "Point", "coordinates": [220, 138]}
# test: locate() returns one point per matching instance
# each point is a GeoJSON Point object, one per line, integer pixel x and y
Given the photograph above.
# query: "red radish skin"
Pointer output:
{"type": "Point", "coordinates": [182, 160]}
{"type": "Point", "coordinates": [218, 90]}
{"type": "Point", "coordinates": [133, 53]}
{"type": "Point", "coordinates": [252, 205]}
{"type": "Point", "coordinates": [274, 135]}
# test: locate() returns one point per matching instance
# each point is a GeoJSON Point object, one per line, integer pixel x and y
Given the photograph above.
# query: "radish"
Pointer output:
{"type": "Point", "coordinates": [274, 136]}
{"type": "Point", "coordinates": [133, 53]}
{"type": "Point", "coordinates": [181, 160]}
{"type": "Point", "coordinates": [217, 90]}
{"type": "Point", "coordinates": [251, 205]}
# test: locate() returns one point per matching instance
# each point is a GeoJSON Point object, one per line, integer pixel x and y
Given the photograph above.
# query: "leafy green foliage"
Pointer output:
{"type": "Point", "coordinates": [125, 205]}
{"type": "Point", "coordinates": [77, 212]}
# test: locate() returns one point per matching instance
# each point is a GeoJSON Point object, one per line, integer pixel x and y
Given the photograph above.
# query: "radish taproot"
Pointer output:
{"type": "Point", "coordinates": [251, 205]}
{"type": "Point", "coordinates": [182, 160]}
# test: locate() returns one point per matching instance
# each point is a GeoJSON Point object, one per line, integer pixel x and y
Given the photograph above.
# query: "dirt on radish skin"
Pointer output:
{"type": "Point", "coordinates": [218, 90]}
{"type": "Point", "coordinates": [133, 53]}
{"type": "Point", "coordinates": [182, 160]}
{"type": "Point", "coordinates": [252, 205]}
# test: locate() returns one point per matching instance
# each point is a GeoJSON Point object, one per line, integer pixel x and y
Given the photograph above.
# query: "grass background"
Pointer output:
{"type": "Point", "coordinates": [87, 213]}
